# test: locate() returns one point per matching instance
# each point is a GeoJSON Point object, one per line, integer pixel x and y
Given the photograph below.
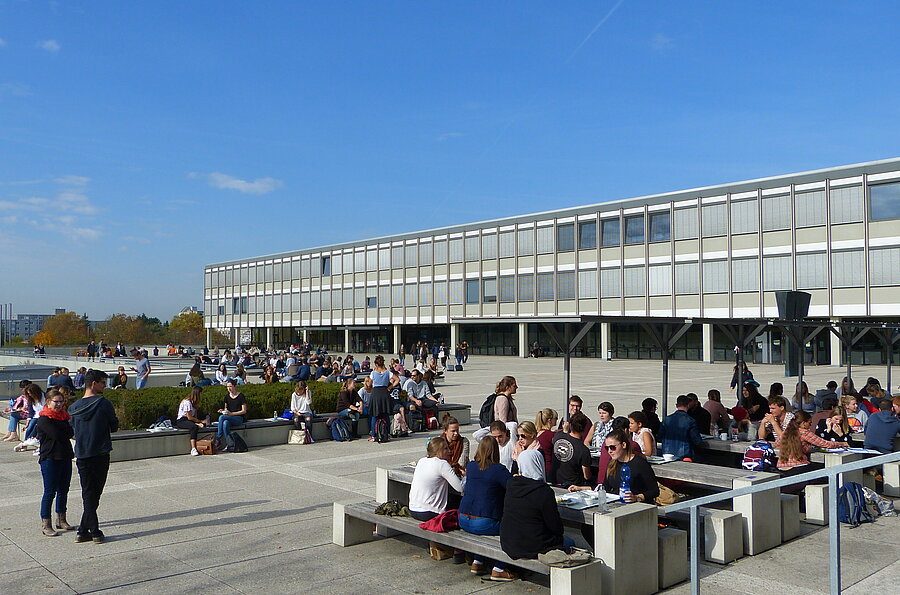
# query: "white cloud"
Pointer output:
{"type": "Point", "coordinates": [661, 42]}
{"type": "Point", "coordinates": [72, 181]}
{"type": "Point", "coordinates": [81, 233]}
{"type": "Point", "coordinates": [50, 45]}
{"type": "Point", "coordinates": [448, 135]}
{"type": "Point", "coordinates": [257, 186]}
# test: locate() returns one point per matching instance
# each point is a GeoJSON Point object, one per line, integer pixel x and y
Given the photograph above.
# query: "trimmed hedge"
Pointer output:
{"type": "Point", "coordinates": [138, 409]}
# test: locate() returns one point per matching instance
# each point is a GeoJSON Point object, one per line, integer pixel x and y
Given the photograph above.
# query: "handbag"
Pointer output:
{"type": "Point", "coordinates": [299, 437]}
{"type": "Point", "coordinates": [206, 447]}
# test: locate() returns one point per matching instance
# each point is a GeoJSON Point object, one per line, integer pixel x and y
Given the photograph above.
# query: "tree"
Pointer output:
{"type": "Point", "coordinates": [64, 329]}
{"type": "Point", "coordinates": [187, 328]}
{"type": "Point", "coordinates": [131, 330]}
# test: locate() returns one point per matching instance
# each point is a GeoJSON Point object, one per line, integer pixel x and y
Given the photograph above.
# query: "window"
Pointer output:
{"type": "Point", "coordinates": [744, 217]}
{"type": "Point", "coordinates": [544, 240]}
{"type": "Point", "coordinates": [611, 232]}
{"type": "Point", "coordinates": [507, 289]}
{"type": "Point", "coordinates": [810, 208]}
{"type": "Point", "coordinates": [235, 306]}
{"type": "Point", "coordinates": [847, 268]}
{"type": "Point", "coordinates": [687, 278]}
{"type": "Point", "coordinates": [610, 283]}
{"type": "Point", "coordinates": [440, 293]}
{"type": "Point", "coordinates": [588, 286]}
{"type": "Point", "coordinates": [336, 300]}
{"type": "Point", "coordinates": [397, 257]}
{"type": "Point", "coordinates": [634, 230]}
{"type": "Point", "coordinates": [686, 223]}
{"type": "Point", "coordinates": [336, 265]}
{"type": "Point", "coordinates": [526, 288]}
{"type": "Point", "coordinates": [472, 289]}
{"type": "Point", "coordinates": [304, 268]}
{"type": "Point", "coordinates": [295, 270]}
{"type": "Point", "coordinates": [221, 310]}
{"type": "Point", "coordinates": [425, 254]}
{"type": "Point", "coordinates": [412, 295]}
{"type": "Point", "coordinates": [776, 213]}
{"type": "Point", "coordinates": [456, 250]}
{"type": "Point", "coordinates": [565, 285]}
{"type": "Point", "coordinates": [425, 294]}
{"type": "Point", "coordinates": [384, 296]}
{"type": "Point", "coordinates": [371, 260]}
{"type": "Point", "coordinates": [349, 297]}
{"type": "Point", "coordinates": [397, 296]}
{"type": "Point", "coordinates": [745, 274]}
{"type": "Point", "coordinates": [715, 276]}
{"type": "Point", "coordinates": [812, 271]}
{"type": "Point", "coordinates": [359, 262]}
{"type": "Point", "coordinates": [359, 297]}
{"type": "Point", "coordinates": [326, 300]}
{"type": "Point", "coordinates": [587, 235]}
{"type": "Point", "coordinates": [440, 252]}
{"type": "Point", "coordinates": [252, 271]}
{"type": "Point", "coordinates": [714, 220]}
{"type": "Point", "coordinates": [635, 281]}
{"type": "Point", "coordinates": [846, 204]}
{"type": "Point", "coordinates": [776, 273]}
{"type": "Point", "coordinates": [525, 241]}
{"type": "Point", "coordinates": [348, 262]}
{"type": "Point", "coordinates": [545, 287]}
{"type": "Point", "coordinates": [507, 244]}
{"type": "Point", "coordinates": [661, 279]}
{"type": "Point", "coordinates": [884, 201]}
{"type": "Point", "coordinates": [473, 249]}
{"type": "Point", "coordinates": [659, 227]}
{"type": "Point", "coordinates": [384, 259]}
{"type": "Point", "coordinates": [884, 266]}
{"type": "Point", "coordinates": [243, 305]}
{"type": "Point", "coordinates": [489, 246]}
{"type": "Point", "coordinates": [489, 291]}
{"type": "Point", "coordinates": [412, 255]}
{"type": "Point", "coordinates": [565, 237]}
{"type": "Point", "coordinates": [456, 292]}
{"type": "Point", "coordinates": [371, 302]}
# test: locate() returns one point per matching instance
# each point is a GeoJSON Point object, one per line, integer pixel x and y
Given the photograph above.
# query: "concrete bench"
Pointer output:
{"type": "Point", "coordinates": [790, 517]}
{"type": "Point", "coordinates": [353, 522]}
{"type": "Point", "coordinates": [892, 479]}
{"type": "Point", "coordinates": [723, 533]}
{"type": "Point", "coordinates": [816, 497]}
{"type": "Point", "coordinates": [673, 556]}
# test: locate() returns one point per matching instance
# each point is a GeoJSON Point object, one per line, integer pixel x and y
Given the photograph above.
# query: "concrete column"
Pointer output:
{"type": "Point", "coordinates": [837, 348]}
{"type": "Point", "coordinates": [762, 514]}
{"type": "Point", "coordinates": [305, 339]}
{"type": "Point", "coordinates": [237, 336]}
{"type": "Point", "coordinates": [269, 333]}
{"type": "Point", "coordinates": [209, 338]}
{"type": "Point", "coordinates": [605, 343]}
{"type": "Point", "coordinates": [622, 536]}
{"type": "Point", "coordinates": [396, 345]}
{"type": "Point", "coordinates": [708, 344]}
{"type": "Point", "coordinates": [454, 339]}
{"type": "Point", "coordinates": [346, 340]}
{"type": "Point", "coordinates": [523, 339]}
{"type": "Point", "coordinates": [834, 459]}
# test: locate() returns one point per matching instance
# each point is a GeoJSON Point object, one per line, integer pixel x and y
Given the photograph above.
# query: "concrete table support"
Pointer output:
{"type": "Point", "coordinates": [622, 536]}
{"type": "Point", "coordinates": [578, 579]}
{"type": "Point", "coordinates": [723, 532]}
{"type": "Point", "coordinates": [833, 459]}
{"type": "Point", "coordinates": [892, 479]}
{"type": "Point", "coordinates": [790, 516]}
{"type": "Point", "coordinates": [673, 557]}
{"type": "Point", "coordinates": [817, 504]}
{"type": "Point", "coordinates": [762, 515]}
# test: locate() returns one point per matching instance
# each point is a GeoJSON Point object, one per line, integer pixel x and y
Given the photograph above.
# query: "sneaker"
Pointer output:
{"type": "Point", "coordinates": [195, 452]}
{"type": "Point", "coordinates": [82, 537]}
{"type": "Point", "coordinates": [97, 537]}
{"type": "Point", "coordinates": [504, 577]}
{"type": "Point", "coordinates": [478, 568]}
{"type": "Point", "coordinates": [36, 453]}
{"type": "Point", "coordinates": [31, 442]}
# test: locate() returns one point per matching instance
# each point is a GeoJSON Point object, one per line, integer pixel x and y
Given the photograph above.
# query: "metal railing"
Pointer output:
{"type": "Point", "coordinates": [163, 361]}
{"type": "Point", "coordinates": [834, 527]}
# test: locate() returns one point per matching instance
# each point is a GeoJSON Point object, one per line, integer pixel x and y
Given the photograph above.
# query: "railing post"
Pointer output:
{"type": "Point", "coordinates": [695, 550]}
{"type": "Point", "coordinates": [834, 536]}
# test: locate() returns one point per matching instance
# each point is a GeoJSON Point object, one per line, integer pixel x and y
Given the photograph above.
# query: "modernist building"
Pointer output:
{"type": "Point", "coordinates": [713, 252]}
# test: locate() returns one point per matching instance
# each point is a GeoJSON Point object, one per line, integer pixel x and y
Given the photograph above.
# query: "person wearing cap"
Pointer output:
{"type": "Point", "coordinates": [741, 424]}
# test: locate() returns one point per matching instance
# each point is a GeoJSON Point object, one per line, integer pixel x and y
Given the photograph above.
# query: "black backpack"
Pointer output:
{"type": "Point", "coordinates": [235, 443]}
{"type": "Point", "coordinates": [382, 429]}
{"type": "Point", "coordinates": [486, 415]}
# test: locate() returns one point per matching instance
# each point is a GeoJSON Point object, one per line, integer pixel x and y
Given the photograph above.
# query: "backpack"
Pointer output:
{"type": "Point", "coordinates": [417, 420]}
{"type": "Point", "coordinates": [397, 426]}
{"type": "Point", "coordinates": [235, 442]}
{"type": "Point", "coordinates": [431, 421]}
{"type": "Point", "coordinates": [339, 431]}
{"type": "Point", "coordinates": [382, 429]}
{"type": "Point", "coordinates": [486, 415]}
{"type": "Point", "coordinates": [852, 505]}
{"type": "Point", "coordinates": [759, 456]}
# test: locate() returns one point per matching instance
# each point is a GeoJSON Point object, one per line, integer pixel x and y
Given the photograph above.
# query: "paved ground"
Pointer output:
{"type": "Point", "coordinates": [261, 521]}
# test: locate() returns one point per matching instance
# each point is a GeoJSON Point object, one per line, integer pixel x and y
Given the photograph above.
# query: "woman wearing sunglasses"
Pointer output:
{"type": "Point", "coordinates": [642, 482]}
{"type": "Point", "coordinates": [55, 433]}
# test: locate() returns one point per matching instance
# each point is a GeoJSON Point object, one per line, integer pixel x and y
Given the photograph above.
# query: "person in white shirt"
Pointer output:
{"type": "Point", "coordinates": [506, 437]}
{"type": "Point", "coordinates": [301, 404]}
{"type": "Point", "coordinates": [431, 482]}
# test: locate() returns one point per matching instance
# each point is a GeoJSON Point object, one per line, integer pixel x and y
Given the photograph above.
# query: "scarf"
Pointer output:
{"type": "Point", "coordinates": [456, 448]}
{"type": "Point", "coordinates": [61, 415]}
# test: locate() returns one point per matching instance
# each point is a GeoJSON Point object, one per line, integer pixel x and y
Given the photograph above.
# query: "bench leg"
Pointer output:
{"type": "Point", "coordinates": [816, 504]}
{"type": "Point", "coordinates": [723, 532]}
{"type": "Point", "coordinates": [622, 538]}
{"type": "Point", "coordinates": [673, 557]}
{"type": "Point", "coordinates": [386, 490]}
{"type": "Point", "coordinates": [892, 479]}
{"type": "Point", "coordinates": [762, 516]}
{"type": "Point", "coordinates": [790, 517]}
{"type": "Point", "coordinates": [347, 530]}
{"type": "Point", "coordinates": [576, 580]}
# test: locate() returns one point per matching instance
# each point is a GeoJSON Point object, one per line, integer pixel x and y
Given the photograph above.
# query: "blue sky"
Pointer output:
{"type": "Point", "coordinates": [140, 141]}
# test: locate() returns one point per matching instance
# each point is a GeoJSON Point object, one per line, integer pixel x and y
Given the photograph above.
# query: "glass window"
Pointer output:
{"type": "Point", "coordinates": [472, 290]}
{"type": "Point", "coordinates": [336, 263]}
{"type": "Point", "coordinates": [348, 262]}
{"type": "Point", "coordinates": [659, 227]}
{"type": "Point", "coordinates": [456, 292]}
{"type": "Point", "coordinates": [847, 269]}
{"type": "Point", "coordinates": [295, 269]}
{"type": "Point", "coordinates": [587, 235]}
{"type": "Point", "coordinates": [777, 273]}
{"type": "Point", "coordinates": [526, 287]}
{"type": "Point", "coordinates": [244, 274]}
{"type": "Point", "coordinates": [397, 257]}
{"type": "Point", "coordinates": [884, 201]}
{"type": "Point", "coordinates": [846, 204]}
{"type": "Point", "coordinates": [372, 260]}
{"type": "Point", "coordinates": [661, 279]}
{"type": "Point", "coordinates": [359, 297]}
{"type": "Point", "coordinates": [425, 294]}
{"type": "Point", "coordinates": [884, 266]}
{"type": "Point", "coordinates": [588, 286]}
{"type": "Point", "coordinates": [776, 212]}
{"type": "Point", "coordinates": [412, 295]}
{"type": "Point", "coordinates": [507, 289]}
{"type": "Point", "coordinates": [315, 296]}
{"type": "Point", "coordinates": [336, 299]}
{"type": "Point", "coordinates": [634, 230]}
{"type": "Point", "coordinates": [304, 302]}
{"type": "Point", "coordinates": [565, 237]}
{"type": "Point", "coordinates": [489, 289]}
{"type": "Point", "coordinates": [715, 276]}
{"type": "Point", "coordinates": [545, 287]}
{"type": "Point", "coordinates": [687, 278]}
{"type": "Point", "coordinates": [686, 223]}
{"type": "Point", "coordinates": [610, 283]}
{"type": "Point", "coordinates": [372, 302]}
{"type": "Point", "coordinates": [425, 254]}
{"type": "Point", "coordinates": [745, 274]}
{"type": "Point", "coordinates": [412, 255]}
{"type": "Point", "coordinates": [744, 217]}
{"type": "Point", "coordinates": [396, 296]}
{"type": "Point", "coordinates": [384, 259]}
{"type": "Point", "coordinates": [384, 295]}
{"type": "Point", "coordinates": [440, 252]}
{"type": "Point", "coordinates": [348, 298]}
{"type": "Point", "coordinates": [473, 249]}
{"type": "Point", "coordinates": [276, 269]}
{"type": "Point", "coordinates": [252, 270]}
{"type": "Point", "coordinates": [544, 240]}
{"type": "Point", "coordinates": [525, 241]}
{"type": "Point", "coordinates": [565, 285]}
{"type": "Point", "coordinates": [714, 220]}
{"type": "Point", "coordinates": [489, 246]}
{"type": "Point", "coordinates": [812, 271]}
{"type": "Point", "coordinates": [456, 250]}
{"type": "Point", "coordinates": [235, 306]}
{"type": "Point", "coordinates": [635, 281]}
{"type": "Point", "coordinates": [507, 244]}
{"type": "Point", "coordinates": [359, 262]}
{"type": "Point", "coordinates": [304, 268]}
{"type": "Point", "coordinates": [810, 208]}
{"type": "Point", "coordinates": [440, 293]}
{"type": "Point", "coordinates": [326, 300]}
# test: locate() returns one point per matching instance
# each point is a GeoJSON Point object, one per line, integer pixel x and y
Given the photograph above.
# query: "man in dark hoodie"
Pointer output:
{"type": "Point", "coordinates": [93, 419]}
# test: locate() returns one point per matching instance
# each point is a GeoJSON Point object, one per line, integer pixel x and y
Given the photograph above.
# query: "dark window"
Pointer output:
{"type": "Point", "coordinates": [885, 201]}
{"type": "Point", "coordinates": [587, 235]}
{"type": "Point", "coordinates": [326, 266]}
{"type": "Point", "coordinates": [490, 291]}
{"type": "Point", "coordinates": [634, 230]}
{"type": "Point", "coordinates": [235, 306]}
{"type": "Point", "coordinates": [565, 237]}
{"type": "Point", "coordinates": [221, 310]}
{"type": "Point", "coordinates": [472, 292]}
{"type": "Point", "coordinates": [611, 233]}
{"type": "Point", "coordinates": [659, 227]}
{"type": "Point", "coordinates": [371, 302]}
{"type": "Point", "coordinates": [243, 305]}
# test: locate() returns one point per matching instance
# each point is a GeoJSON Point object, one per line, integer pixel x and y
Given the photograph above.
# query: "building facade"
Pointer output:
{"type": "Point", "coordinates": [713, 252]}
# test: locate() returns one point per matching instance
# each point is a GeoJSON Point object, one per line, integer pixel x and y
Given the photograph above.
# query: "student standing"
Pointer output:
{"type": "Point", "coordinates": [93, 419]}
{"type": "Point", "coordinates": [54, 432]}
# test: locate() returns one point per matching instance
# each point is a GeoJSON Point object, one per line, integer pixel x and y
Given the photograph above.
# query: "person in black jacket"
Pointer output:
{"type": "Point", "coordinates": [93, 419]}
{"type": "Point", "coordinates": [531, 524]}
{"type": "Point", "coordinates": [642, 484]}
{"type": "Point", "coordinates": [54, 432]}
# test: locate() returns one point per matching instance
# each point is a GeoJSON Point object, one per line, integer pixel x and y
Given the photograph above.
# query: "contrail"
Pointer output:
{"type": "Point", "coordinates": [594, 30]}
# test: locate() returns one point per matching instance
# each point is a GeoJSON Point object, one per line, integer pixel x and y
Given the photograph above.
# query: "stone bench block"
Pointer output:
{"type": "Point", "coordinates": [577, 580]}
{"type": "Point", "coordinates": [892, 479]}
{"type": "Point", "coordinates": [790, 516]}
{"type": "Point", "coordinates": [762, 525]}
{"type": "Point", "coordinates": [347, 530]}
{"type": "Point", "coordinates": [723, 535]}
{"type": "Point", "coordinates": [621, 537]}
{"type": "Point", "coordinates": [816, 504]}
{"type": "Point", "coordinates": [673, 557]}
{"type": "Point", "coordinates": [833, 459]}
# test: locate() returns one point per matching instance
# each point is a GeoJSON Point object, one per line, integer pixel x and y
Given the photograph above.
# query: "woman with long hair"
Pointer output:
{"type": "Point", "coordinates": [640, 433]}
{"type": "Point", "coordinates": [221, 374]}
{"type": "Point", "coordinates": [504, 406]}
{"type": "Point", "coordinates": [802, 399]}
{"type": "Point", "coordinates": [233, 412]}
{"type": "Point", "coordinates": [847, 387]}
{"type": "Point", "coordinates": [835, 427]}
{"type": "Point", "coordinates": [527, 440]}
{"type": "Point", "coordinates": [301, 405]}
{"type": "Point", "coordinates": [458, 445]}
{"type": "Point", "coordinates": [383, 382]}
{"type": "Point", "coordinates": [432, 480]}
{"type": "Point", "coordinates": [642, 482]}
{"type": "Point", "coordinates": [797, 441]}
{"type": "Point", "coordinates": [188, 417]}
{"type": "Point", "coordinates": [756, 405]}
{"type": "Point", "coordinates": [545, 422]}
{"type": "Point", "coordinates": [55, 434]}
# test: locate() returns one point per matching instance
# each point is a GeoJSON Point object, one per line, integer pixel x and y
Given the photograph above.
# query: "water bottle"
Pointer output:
{"type": "Point", "coordinates": [624, 481]}
{"type": "Point", "coordinates": [601, 496]}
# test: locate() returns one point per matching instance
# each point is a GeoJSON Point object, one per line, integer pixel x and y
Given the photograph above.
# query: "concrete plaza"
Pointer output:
{"type": "Point", "coordinates": [261, 521]}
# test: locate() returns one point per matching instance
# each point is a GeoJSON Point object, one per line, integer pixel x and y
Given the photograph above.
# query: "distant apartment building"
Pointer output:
{"type": "Point", "coordinates": [28, 325]}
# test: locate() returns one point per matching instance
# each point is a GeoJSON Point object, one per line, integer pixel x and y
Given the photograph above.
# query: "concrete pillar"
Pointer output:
{"type": "Point", "coordinates": [673, 557]}
{"type": "Point", "coordinates": [892, 479]}
{"type": "Point", "coordinates": [454, 339]}
{"type": "Point", "coordinates": [209, 338]}
{"type": "Point", "coordinates": [790, 517]}
{"type": "Point", "coordinates": [396, 345]}
{"type": "Point", "coordinates": [346, 340]}
{"type": "Point", "coordinates": [346, 530]}
{"type": "Point", "coordinates": [577, 579]}
{"type": "Point", "coordinates": [833, 459]}
{"type": "Point", "coordinates": [708, 344]}
{"type": "Point", "coordinates": [269, 334]}
{"type": "Point", "coordinates": [816, 497]}
{"type": "Point", "coordinates": [605, 343]}
{"type": "Point", "coordinates": [523, 339]}
{"type": "Point", "coordinates": [622, 536]}
{"type": "Point", "coordinates": [837, 348]}
{"type": "Point", "coordinates": [237, 336]}
{"type": "Point", "coordinates": [305, 338]}
{"type": "Point", "coordinates": [762, 514]}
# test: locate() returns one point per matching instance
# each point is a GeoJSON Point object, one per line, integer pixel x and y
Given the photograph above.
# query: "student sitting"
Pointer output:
{"type": "Point", "coordinates": [795, 444]}
{"type": "Point", "coordinates": [458, 446]}
{"type": "Point", "coordinates": [301, 405]}
{"type": "Point", "coordinates": [648, 408]}
{"type": "Point", "coordinates": [431, 482]}
{"type": "Point", "coordinates": [119, 380]}
{"type": "Point", "coordinates": [857, 416]}
{"type": "Point", "coordinates": [188, 417]}
{"type": "Point", "coordinates": [482, 505]}
{"type": "Point", "coordinates": [835, 427]}
{"type": "Point", "coordinates": [644, 487]}
{"type": "Point", "coordinates": [622, 424]}
{"type": "Point", "coordinates": [719, 420]}
{"type": "Point", "coordinates": [679, 432]}
{"type": "Point", "coordinates": [641, 434]}
{"type": "Point", "coordinates": [544, 422]}
{"type": "Point", "coordinates": [884, 426]}
{"type": "Point", "coordinates": [349, 406]}
{"type": "Point", "coordinates": [571, 458]}
{"type": "Point", "coordinates": [502, 433]}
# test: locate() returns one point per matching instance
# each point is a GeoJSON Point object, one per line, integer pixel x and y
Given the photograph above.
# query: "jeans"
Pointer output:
{"type": "Point", "coordinates": [29, 430]}
{"type": "Point", "coordinates": [140, 382]}
{"type": "Point", "coordinates": [353, 416]}
{"type": "Point", "coordinates": [92, 471]}
{"type": "Point", "coordinates": [14, 419]}
{"type": "Point", "coordinates": [479, 525]}
{"type": "Point", "coordinates": [225, 423]}
{"type": "Point", "coordinates": [57, 476]}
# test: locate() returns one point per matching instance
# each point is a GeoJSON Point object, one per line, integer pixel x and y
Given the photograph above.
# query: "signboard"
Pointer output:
{"type": "Point", "coordinates": [246, 336]}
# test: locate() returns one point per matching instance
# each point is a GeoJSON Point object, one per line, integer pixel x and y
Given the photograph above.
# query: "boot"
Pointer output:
{"type": "Point", "coordinates": [61, 523]}
{"type": "Point", "coordinates": [47, 528]}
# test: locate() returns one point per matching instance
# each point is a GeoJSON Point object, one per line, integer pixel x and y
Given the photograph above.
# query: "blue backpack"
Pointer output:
{"type": "Point", "coordinates": [759, 456]}
{"type": "Point", "coordinates": [852, 505]}
{"type": "Point", "coordinates": [339, 431]}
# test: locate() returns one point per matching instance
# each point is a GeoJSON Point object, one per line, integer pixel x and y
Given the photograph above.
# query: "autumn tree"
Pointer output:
{"type": "Point", "coordinates": [64, 329]}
